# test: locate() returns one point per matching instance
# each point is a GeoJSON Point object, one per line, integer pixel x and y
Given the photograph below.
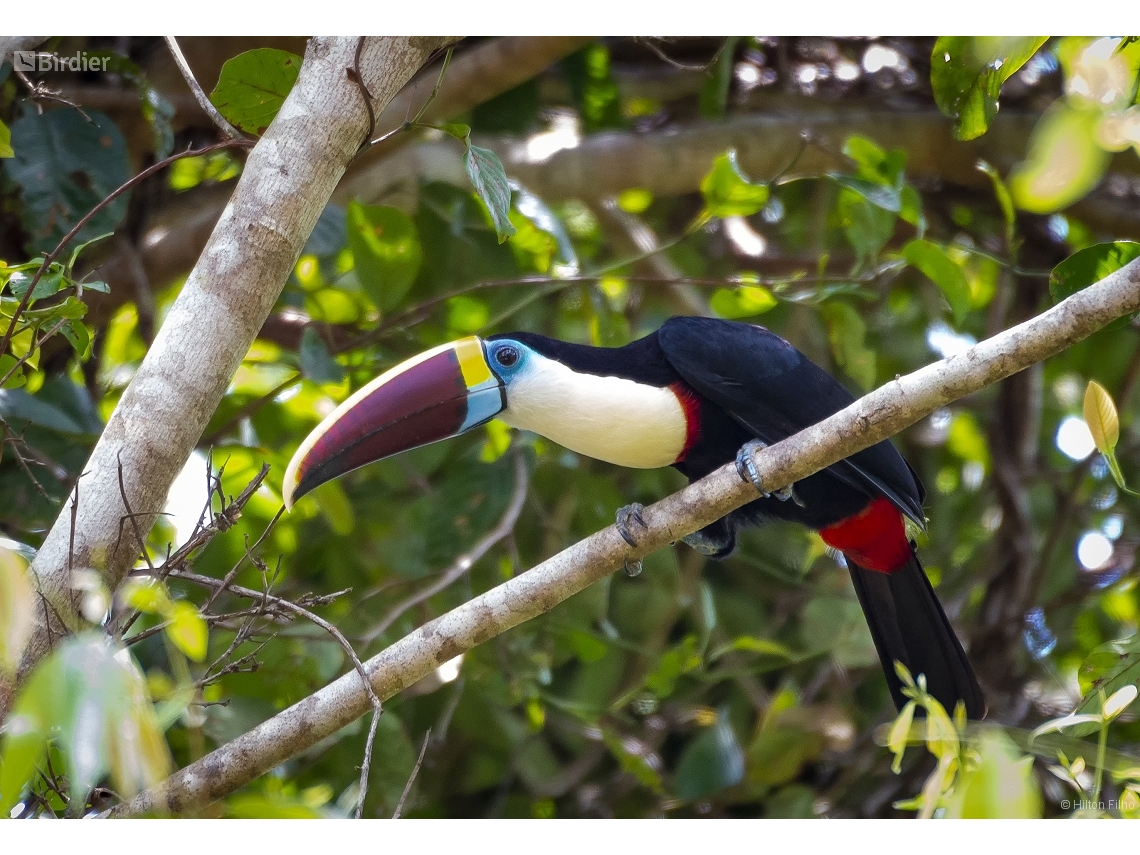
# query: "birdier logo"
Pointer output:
{"type": "Point", "coordinates": [28, 61]}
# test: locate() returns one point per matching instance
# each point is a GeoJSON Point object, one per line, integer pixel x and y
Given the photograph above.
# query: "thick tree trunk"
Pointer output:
{"type": "Point", "coordinates": [286, 183]}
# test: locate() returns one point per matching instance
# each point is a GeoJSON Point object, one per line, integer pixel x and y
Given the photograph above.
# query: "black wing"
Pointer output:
{"type": "Point", "coordinates": [774, 391]}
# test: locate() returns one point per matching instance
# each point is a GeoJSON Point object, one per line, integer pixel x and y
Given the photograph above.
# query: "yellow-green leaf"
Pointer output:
{"type": "Point", "coordinates": [1100, 416]}
{"type": "Point", "coordinates": [1000, 786]}
{"type": "Point", "coordinates": [900, 730]}
{"type": "Point", "coordinates": [147, 596]}
{"type": "Point", "coordinates": [1119, 701]}
{"type": "Point", "coordinates": [187, 629]}
{"type": "Point", "coordinates": [17, 605]}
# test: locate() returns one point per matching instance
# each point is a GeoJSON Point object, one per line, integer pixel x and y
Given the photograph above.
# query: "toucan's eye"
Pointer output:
{"type": "Point", "coordinates": [507, 356]}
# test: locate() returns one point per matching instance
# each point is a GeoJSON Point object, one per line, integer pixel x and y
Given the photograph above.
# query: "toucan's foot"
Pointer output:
{"type": "Point", "coordinates": [710, 546]}
{"type": "Point", "coordinates": [627, 516]}
{"type": "Point", "coordinates": [746, 467]}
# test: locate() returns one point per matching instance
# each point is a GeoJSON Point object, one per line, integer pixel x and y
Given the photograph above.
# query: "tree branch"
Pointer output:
{"type": "Point", "coordinates": [286, 183]}
{"type": "Point", "coordinates": [872, 418]}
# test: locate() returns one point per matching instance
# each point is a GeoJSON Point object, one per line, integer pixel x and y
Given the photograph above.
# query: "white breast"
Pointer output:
{"type": "Point", "coordinates": [607, 418]}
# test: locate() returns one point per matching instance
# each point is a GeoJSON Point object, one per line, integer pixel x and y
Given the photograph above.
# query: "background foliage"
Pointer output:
{"type": "Point", "coordinates": [808, 184]}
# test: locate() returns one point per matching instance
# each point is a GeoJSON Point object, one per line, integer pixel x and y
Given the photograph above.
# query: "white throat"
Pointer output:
{"type": "Point", "coordinates": [608, 418]}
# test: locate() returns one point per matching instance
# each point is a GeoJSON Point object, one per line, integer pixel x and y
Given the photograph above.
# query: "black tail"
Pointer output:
{"type": "Point", "coordinates": [908, 625]}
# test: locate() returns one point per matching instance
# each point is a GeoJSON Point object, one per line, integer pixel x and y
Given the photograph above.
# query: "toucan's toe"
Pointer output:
{"type": "Point", "coordinates": [627, 515]}
{"type": "Point", "coordinates": [746, 468]}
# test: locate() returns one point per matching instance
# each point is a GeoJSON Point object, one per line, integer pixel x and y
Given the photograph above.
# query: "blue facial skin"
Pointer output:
{"type": "Point", "coordinates": [505, 358]}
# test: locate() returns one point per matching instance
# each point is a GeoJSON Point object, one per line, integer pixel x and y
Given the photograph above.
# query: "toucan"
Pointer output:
{"type": "Point", "coordinates": [696, 394]}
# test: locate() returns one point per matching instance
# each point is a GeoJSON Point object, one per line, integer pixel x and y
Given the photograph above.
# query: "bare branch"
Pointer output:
{"type": "Point", "coordinates": [876, 416]}
{"type": "Point", "coordinates": [199, 94]}
{"type": "Point", "coordinates": [412, 777]}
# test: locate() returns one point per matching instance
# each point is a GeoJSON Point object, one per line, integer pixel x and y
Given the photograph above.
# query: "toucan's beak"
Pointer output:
{"type": "Point", "coordinates": [438, 394]}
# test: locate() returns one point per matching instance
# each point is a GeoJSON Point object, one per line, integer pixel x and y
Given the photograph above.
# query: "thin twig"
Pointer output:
{"type": "Point", "coordinates": [39, 90]}
{"type": "Point", "coordinates": [464, 562]}
{"type": "Point", "coordinates": [408, 124]}
{"type": "Point", "coordinates": [199, 94]}
{"type": "Point", "coordinates": [703, 69]}
{"type": "Point", "coordinates": [240, 502]}
{"type": "Point", "coordinates": [366, 763]}
{"type": "Point", "coordinates": [412, 777]}
{"type": "Point", "coordinates": [377, 709]}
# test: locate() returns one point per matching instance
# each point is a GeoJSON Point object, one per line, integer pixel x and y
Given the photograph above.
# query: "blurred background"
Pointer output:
{"type": "Point", "coordinates": [811, 185]}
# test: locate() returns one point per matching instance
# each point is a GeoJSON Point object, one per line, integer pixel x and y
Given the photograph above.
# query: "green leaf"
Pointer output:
{"type": "Point", "coordinates": [751, 644]}
{"type": "Point", "coordinates": [847, 333]}
{"type": "Point", "coordinates": [900, 732]}
{"type": "Point", "coordinates": [673, 664]}
{"type": "Point", "coordinates": [867, 226]}
{"type": "Point", "coordinates": [538, 212]}
{"type": "Point", "coordinates": [148, 596]}
{"type": "Point", "coordinates": [490, 182]}
{"type": "Point", "coordinates": [19, 405]}
{"type": "Point", "coordinates": [316, 362]}
{"type": "Point", "coordinates": [386, 251]}
{"type": "Point", "coordinates": [17, 602]}
{"type": "Point", "coordinates": [64, 166]}
{"type": "Point", "coordinates": [52, 282]}
{"type": "Point", "coordinates": [594, 89]}
{"type": "Point", "coordinates": [1065, 160]}
{"type": "Point", "coordinates": [1090, 265]}
{"type": "Point", "coordinates": [728, 192]}
{"type": "Point", "coordinates": [714, 93]}
{"type": "Point", "coordinates": [8, 366]}
{"type": "Point", "coordinates": [587, 647]}
{"type": "Point", "coordinates": [879, 195]}
{"type": "Point", "coordinates": [1004, 200]}
{"type": "Point", "coordinates": [253, 85]}
{"type": "Point", "coordinates": [459, 131]}
{"type": "Point", "coordinates": [633, 763]}
{"type": "Point", "coordinates": [1108, 668]}
{"type": "Point", "coordinates": [745, 301]}
{"type": "Point", "coordinates": [6, 141]}
{"type": "Point", "coordinates": [1001, 785]}
{"type": "Point", "coordinates": [711, 762]}
{"type": "Point", "coordinates": [937, 266]}
{"type": "Point", "coordinates": [89, 694]}
{"type": "Point", "coordinates": [967, 440]}
{"type": "Point", "coordinates": [188, 630]}
{"type": "Point", "coordinates": [79, 337]}
{"type": "Point", "coordinates": [966, 73]}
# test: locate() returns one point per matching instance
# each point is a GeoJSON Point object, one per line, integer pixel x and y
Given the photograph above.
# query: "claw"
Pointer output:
{"type": "Point", "coordinates": [746, 467]}
{"type": "Point", "coordinates": [630, 514]}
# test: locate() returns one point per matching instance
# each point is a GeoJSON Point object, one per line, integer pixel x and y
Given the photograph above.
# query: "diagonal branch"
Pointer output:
{"type": "Point", "coordinates": [872, 418]}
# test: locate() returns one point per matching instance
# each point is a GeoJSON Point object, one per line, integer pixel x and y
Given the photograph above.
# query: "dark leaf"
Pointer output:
{"type": "Point", "coordinates": [64, 166]}
{"type": "Point", "coordinates": [490, 181]}
{"type": "Point", "coordinates": [711, 762]}
{"type": "Point", "coordinates": [316, 362]}
{"type": "Point", "coordinates": [1089, 265]}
